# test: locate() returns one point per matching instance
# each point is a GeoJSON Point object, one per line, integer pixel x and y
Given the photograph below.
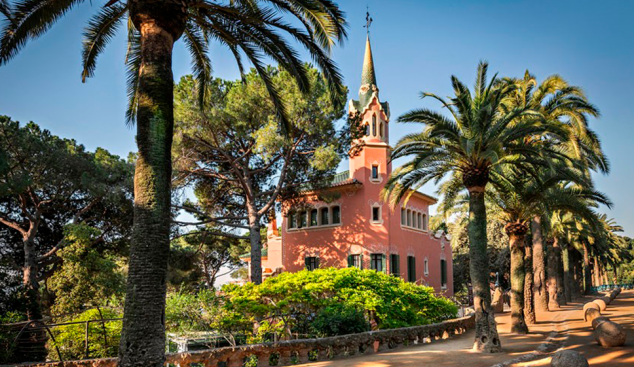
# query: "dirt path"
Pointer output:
{"type": "Point", "coordinates": [581, 338]}
{"type": "Point", "coordinates": [561, 329]}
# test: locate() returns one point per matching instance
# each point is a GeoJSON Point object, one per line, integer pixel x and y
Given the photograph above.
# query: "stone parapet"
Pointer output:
{"type": "Point", "coordinates": [290, 352]}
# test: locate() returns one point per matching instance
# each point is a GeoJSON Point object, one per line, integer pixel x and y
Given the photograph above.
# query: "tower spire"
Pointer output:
{"type": "Point", "coordinates": [367, 75]}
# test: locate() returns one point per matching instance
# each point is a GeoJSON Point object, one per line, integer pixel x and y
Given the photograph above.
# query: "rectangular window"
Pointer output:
{"type": "Point", "coordinates": [409, 218]}
{"type": "Point", "coordinates": [324, 216]}
{"type": "Point", "coordinates": [375, 172]}
{"type": "Point", "coordinates": [395, 264]}
{"type": "Point", "coordinates": [411, 269]}
{"type": "Point", "coordinates": [313, 217]}
{"type": "Point", "coordinates": [403, 215]}
{"type": "Point", "coordinates": [420, 224]}
{"type": "Point", "coordinates": [302, 220]}
{"type": "Point", "coordinates": [426, 267]}
{"type": "Point", "coordinates": [425, 222]}
{"type": "Point", "coordinates": [292, 220]}
{"type": "Point", "coordinates": [355, 261]}
{"type": "Point", "coordinates": [376, 214]}
{"type": "Point", "coordinates": [443, 273]}
{"type": "Point", "coordinates": [377, 262]}
{"type": "Point", "coordinates": [312, 262]}
{"type": "Point", "coordinates": [336, 215]}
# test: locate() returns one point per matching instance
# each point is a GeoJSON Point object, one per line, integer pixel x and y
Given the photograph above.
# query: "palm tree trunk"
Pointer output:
{"type": "Point", "coordinates": [578, 273]}
{"type": "Point", "coordinates": [516, 244]}
{"type": "Point", "coordinates": [553, 301]}
{"type": "Point", "coordinates": [587, 276]}
{"type": "Point", "coordinates": [565, 253]}
{"type": "Point", "coordinates": [486, 334]}
{"type": "Point", "coordinates": [160, 24]}
{"type": "Point", "coordinates": [561, 296]}
{"type": "Point", "coordinates": [596, 272]}
{"type": "Point", "coordinates": [529, 302]}
{"type": "Point", "coordinates": [539, 268]}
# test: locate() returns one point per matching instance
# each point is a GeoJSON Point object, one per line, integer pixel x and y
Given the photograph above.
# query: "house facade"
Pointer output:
{"type": "Point", "coordinates": [354, 227]}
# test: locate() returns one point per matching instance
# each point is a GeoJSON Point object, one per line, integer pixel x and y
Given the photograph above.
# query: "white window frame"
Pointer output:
{"type": "Point", "coordinates": [380, 208]}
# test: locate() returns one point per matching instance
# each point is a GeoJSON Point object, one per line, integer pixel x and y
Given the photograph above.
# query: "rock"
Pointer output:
{"type": "Point", "coordinates": [591, 305]}
{"type": "Point", "coordinates": [609, 334]}
{"type": "Point", "coordinates": [602, 304]}
{"type": "Point", "coordinates": [598, 321]}
{"type": "Point", "coordinates": [568, 358]}
{"type": "Point", "coordinates": [591, 314]}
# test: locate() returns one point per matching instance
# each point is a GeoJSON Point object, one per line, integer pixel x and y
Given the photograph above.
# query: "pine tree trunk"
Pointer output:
{"type": "Point", "coordinates": [37, 339]}
{"type": "Point", "coordinates": [565, 253]}
{"type": "Point", "coordinates": [256, 247]}
{"type": "Point", "coordinates": [486, 334]}
{"type": "Point", "coordinates": [516, 244]}
{"type": "Point", "coordinates": [587, 276]}
{"type": "Point", "coordinates": [529, 302]}
{"type": "Point", "coordinates": [539, 267]}
{"type": "Point", "coordinates": [143, 336]}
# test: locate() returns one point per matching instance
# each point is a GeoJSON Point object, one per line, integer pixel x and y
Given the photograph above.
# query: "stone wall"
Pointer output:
{"type": "Point", "coordinates": [290, 352]}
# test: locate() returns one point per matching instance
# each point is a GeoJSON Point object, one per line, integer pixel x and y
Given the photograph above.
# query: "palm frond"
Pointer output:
{"type": "Point", "coordinates": [99, 31]}
{"type": "Point", "coordinates": [30, 19]}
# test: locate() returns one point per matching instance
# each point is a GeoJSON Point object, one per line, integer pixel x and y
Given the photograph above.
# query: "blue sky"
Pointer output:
{"type": "Point", "coordinates": [417, 45]}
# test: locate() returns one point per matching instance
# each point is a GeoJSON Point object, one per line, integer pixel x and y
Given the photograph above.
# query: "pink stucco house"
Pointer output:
{"type": "Point", "coordinates": [356, 228]}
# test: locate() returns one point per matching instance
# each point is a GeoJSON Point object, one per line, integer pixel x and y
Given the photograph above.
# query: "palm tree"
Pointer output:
{"type": "Point", "coordinates": [479, 137]}
{"type": "Point", "coordinates": [557, 100]}
{"type": "Point", "coordinates": [251, 29]}
{"type": "Point", "coordinates": [519, 197]}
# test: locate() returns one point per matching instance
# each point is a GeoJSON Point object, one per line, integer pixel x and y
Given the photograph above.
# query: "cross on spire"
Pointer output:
{"type": "Point", "coordinates": [368, 20]}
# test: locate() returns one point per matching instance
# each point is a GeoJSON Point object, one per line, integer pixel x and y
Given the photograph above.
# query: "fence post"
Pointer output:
{"type": "Point", "coordinates": [86, 345]}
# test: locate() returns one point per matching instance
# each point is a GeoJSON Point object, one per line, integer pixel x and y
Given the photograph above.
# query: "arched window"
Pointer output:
{"type": "Point", "coordinates": [409, 218]}
{"type": "Point", "coordinates": [381, 131]}
{"type": "Point", "coordinates": [425, 222]}
{"type": "Point", "coordinates": [419, 224]}
{"type": "Point", "coordinates": [373, 125]}
{"type": "Point", "coordinates": [367, 129]}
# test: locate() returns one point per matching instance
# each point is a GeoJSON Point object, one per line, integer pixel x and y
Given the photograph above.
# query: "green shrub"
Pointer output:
{"type": "Point", "coordinates": [339, 319]}
{"type": "Point", "coordinates": [299, 299]}
{"type": "Point", "coordinates": [103, 338]}
{"type": "Point", "coordinates": [7, 335]}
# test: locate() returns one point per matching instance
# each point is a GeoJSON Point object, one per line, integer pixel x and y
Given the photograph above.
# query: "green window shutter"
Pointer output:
{"type": "Point", "coordinates": [411, 269]}
{"type": "Point", "coordinates": [443, 272]}
{"type": "Point", "coordinates": [361, 261]}
{"type": "Point", "coordinates": [317, 262]}
{"type": "Point", "coordinates": [350, 263]}
{"type": "Point", "coordinates": [383, 264]}
{"type": "Point", "coordinates": [398, 265]}
{"type": "Point", "coordinates": [306, 263]}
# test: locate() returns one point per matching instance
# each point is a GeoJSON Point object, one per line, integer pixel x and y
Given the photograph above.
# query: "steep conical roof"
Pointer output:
{"type": "Point", "coordinates": [367, 75]}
